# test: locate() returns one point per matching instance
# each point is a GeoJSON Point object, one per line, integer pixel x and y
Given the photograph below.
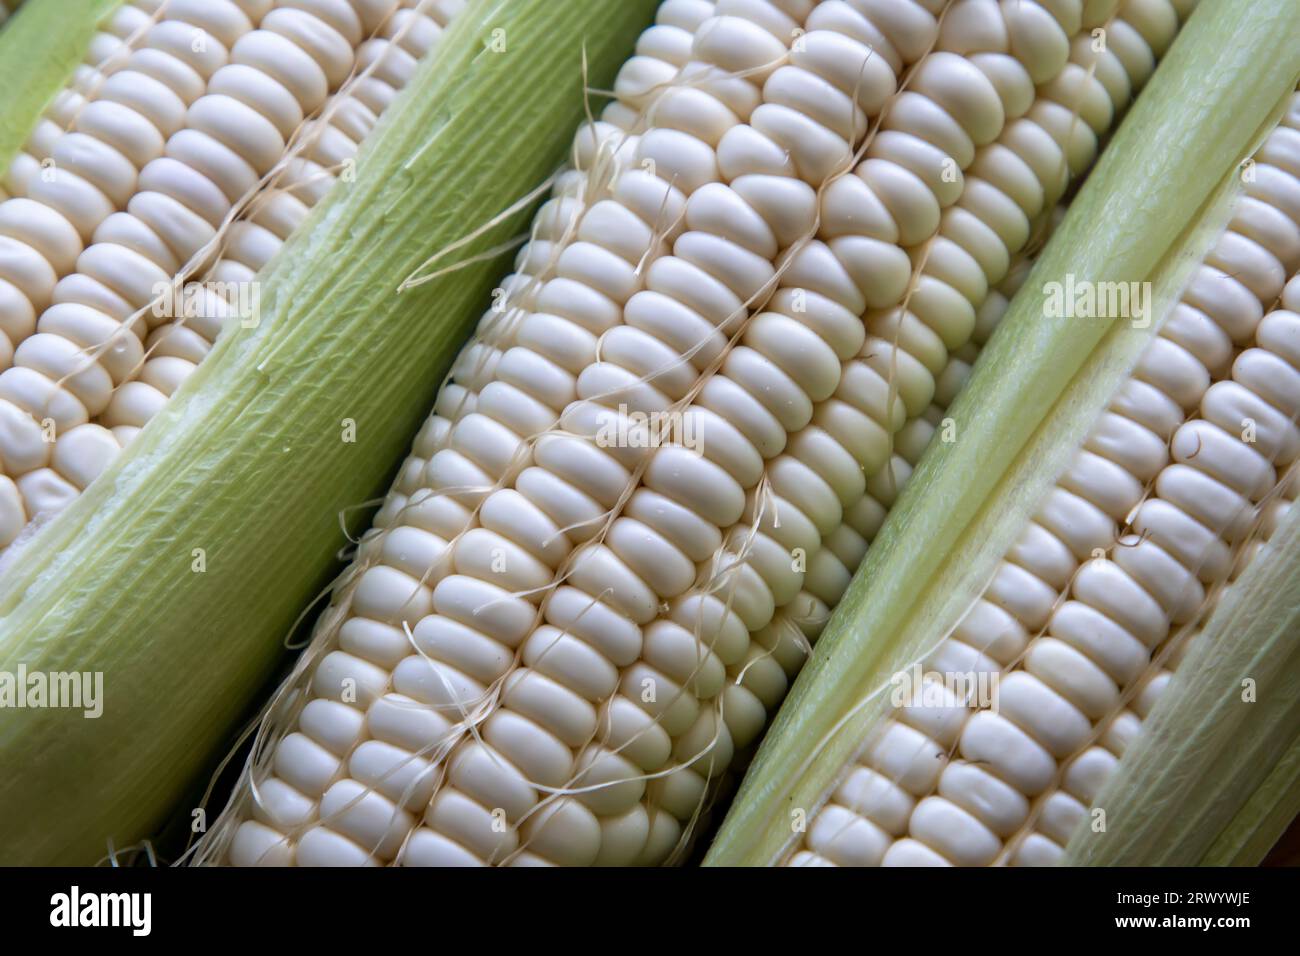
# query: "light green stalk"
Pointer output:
{"type": "Point", "coordinates": [248, 462]}
{"type": "Point", "coordinates": [40, 46]}
{"type": "Point", "coordinates": [1035, 391]}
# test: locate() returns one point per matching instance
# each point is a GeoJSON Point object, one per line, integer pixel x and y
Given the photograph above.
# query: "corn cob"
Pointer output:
{"type": "Point", "coordinates": [111, 237]}
{"type": "Point", "coordinates": [900, 805]}
{"type": "Point", "coordinates": [595, 734]}
{"type": "Point", "coordinates": [177, 348]}
{"type": "Point", "coordinates": [106, 52]}
{"type": "Point", "coordinates": [1063, 813]}
{"type": "Point", "coordinates": [96, 169]}
{"type": "Point", "coordinates": [1125, 553]}
{"type": "Point", "coordinates": [804, 618]}
{"type": "Point", "coordinates": [1209, 715]}
{"type": "Point", "coordinates": [632, 788]}
{"type": "Point", "coordinates": [797, 625]}
{"type": "Point", "coordinates": [328, 373]}
{"type": "Point", "coordinates": [1094, 623]}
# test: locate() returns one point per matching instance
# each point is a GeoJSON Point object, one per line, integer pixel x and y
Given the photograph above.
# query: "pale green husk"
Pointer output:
{"type": "Point", "coordinates": [1262, 819]}
{"type": "Point", "coordinates": [248, 462]}
{"type": "Point", "coordinates": [1147, 212]}
{"type": "Point", "coordinates": [40, 46]}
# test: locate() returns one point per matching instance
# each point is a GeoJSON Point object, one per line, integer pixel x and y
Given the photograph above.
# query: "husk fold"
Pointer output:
{"type": "Point", "coordinates": [1151, 208]}
{"type": "Point", "coordinates": [248, 462]}
{"type": "Point", "coordinates": [40, 46]}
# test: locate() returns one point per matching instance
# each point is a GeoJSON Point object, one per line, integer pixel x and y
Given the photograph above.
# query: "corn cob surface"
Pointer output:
{"type": "Point", "coordinates": [204, 130]}
{"type": "Point", "coordinates": [733, 333]}
{"type": "Point", "coordinates": [558, 642]}
{"type": "Point", "coordinates": [330, 384]}
{"type": "Point", "coordinates": [1103, 586]}
{"type": "Point", "coordinates": [1126, 549]}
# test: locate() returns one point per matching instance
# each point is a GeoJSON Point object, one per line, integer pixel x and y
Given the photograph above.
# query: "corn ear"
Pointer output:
{"type": "Point", "coordinates": [225, 506]}
{"type": "Point", "coordinates": [1228, 723]}
{"type": "Point", "coordinates": [41, 45]}
{"type": "Point", "coordinates": [1151, 208]}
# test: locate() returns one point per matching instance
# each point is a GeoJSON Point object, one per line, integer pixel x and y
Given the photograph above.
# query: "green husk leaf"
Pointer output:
{"type": "Point", "coordinates": [1263, 819]}
{"type": "Point", "coordinates": [248, 461]}
{"type": "Point", "coordinates": [1212, 778]}
{"type": "Point", "coordinates": [40, 46]}
{"type": "Point", "coordinates": [1146, 213]}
